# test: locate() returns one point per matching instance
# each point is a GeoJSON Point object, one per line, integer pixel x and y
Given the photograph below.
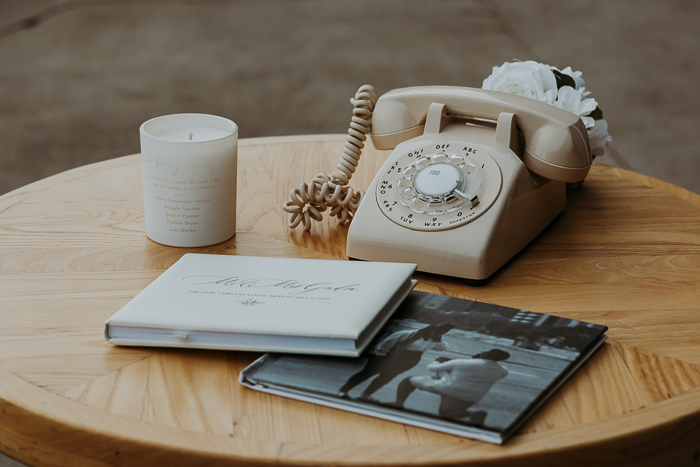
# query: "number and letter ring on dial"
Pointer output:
{"type": "Point", "coordinates": [418, 187]}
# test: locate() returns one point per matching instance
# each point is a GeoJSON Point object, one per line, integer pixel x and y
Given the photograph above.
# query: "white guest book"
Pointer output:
{"type": "Point", "coordinates": [264, 304]}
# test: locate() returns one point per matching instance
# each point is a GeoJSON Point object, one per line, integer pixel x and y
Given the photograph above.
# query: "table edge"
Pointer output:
{"type": "Point", "coordinates": [96, 427]}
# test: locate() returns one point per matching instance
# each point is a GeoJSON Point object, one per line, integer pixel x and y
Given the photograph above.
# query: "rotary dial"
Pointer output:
{"type": "Point", "coordinates": [439, 183]}
{"type": "Point", "coordinates": [436, 187]}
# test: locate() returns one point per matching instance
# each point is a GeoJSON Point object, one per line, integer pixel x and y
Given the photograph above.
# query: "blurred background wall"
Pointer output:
{"type": "Point", "coordinates": [78, 78]}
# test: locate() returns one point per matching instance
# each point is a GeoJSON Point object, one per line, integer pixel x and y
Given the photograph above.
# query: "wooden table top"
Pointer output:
{"type": "Point", "coordinates": [624, 253]}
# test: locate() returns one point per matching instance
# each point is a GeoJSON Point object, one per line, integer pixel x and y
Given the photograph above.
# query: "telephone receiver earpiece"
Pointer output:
{"type": "Point", "coordinates": [556, 141]}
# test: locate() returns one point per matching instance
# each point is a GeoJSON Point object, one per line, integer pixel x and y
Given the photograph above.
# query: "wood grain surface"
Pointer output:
{"type": "Point", "coordinates": [624, 253]}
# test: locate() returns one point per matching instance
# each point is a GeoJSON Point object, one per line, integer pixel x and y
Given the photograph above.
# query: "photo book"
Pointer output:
{"type": "Point", "coordinates": [457, 366]}
{"type": "Point", "coordinates": [266, 304]}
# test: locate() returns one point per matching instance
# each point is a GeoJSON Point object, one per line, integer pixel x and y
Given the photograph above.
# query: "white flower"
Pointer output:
{"type": "Point", "coordinates": [572, 100]}
{"type": "Point", "coordinates": [588, 122]}
{"type": "Point", "coordinates": [537, 81]}
{"type": "Point", "coordinates": [599, 137]}
{"type": "Point", "coordinates": [527, 79]}
{"type": "Point", "coordinates": [576, 75]}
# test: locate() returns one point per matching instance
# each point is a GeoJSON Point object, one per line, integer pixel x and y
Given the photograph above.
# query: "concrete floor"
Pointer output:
{"type": "Point", "coordinates": [78, 78]}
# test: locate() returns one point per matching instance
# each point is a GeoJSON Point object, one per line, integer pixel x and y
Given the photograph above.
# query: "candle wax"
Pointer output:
{"type": "Point", "coordinates": [199, 133]}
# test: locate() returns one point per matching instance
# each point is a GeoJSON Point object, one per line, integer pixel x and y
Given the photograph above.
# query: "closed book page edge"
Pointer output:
{"type": "Point", "coordinates": [563, 337]}
{"type": "Point", "coordinates": [139, 312]}
{"type": "Point", "coordinates": [407, 417]}
{"type": "Point", "coordinates": [160, 337]}
{"type": "Point", "coordinates": [374, 411]}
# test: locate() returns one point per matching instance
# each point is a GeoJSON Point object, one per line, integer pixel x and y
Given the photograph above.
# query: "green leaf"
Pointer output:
{"type": "Point", "coordinates": [563, 80]}
{"type": "Point", "coordinates": [597, 114]}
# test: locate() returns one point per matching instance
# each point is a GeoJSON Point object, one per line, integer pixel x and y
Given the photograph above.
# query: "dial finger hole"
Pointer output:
{"type": "Point", "coordinates": [456, 160]}
{"type": "Point", "coordinates": [441, 157]}
{"type": "Point", "coordinates": [405, 182]}
{"type": "Point", "coordinates": [435, 205]}
{"type": "Point", "coordinates": [419, 203]}
{"type": "Point", "coordinates": [423, 161]}
{"type": "Point", "coordinates": [452, 201]}
{"type": "Point", "coordinates": [408, 194]}
{"type": "Point", "coordinates": [410, 170]}
{"type": "Point", "coordinates": [467, 168]}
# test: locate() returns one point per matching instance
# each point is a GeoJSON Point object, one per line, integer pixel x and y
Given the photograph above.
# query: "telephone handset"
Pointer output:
{"type": "Point", "coordinates": [475, 175]}
{"type": "Point", "coordinates": [556, 141]}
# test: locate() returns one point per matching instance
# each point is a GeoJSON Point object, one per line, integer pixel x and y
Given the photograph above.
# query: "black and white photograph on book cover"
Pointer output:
{"type": "Point", "coordinates": [477, 364]}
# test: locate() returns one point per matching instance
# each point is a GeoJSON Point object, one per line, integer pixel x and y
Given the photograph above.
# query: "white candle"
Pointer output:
{"type": "Point", "coordinates": [191, 133]}
{"type": "Point", "coordinates": [189, 179]}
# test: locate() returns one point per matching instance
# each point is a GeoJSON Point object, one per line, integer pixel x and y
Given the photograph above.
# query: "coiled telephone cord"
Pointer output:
{"type": "Point", "coordinates": [331, 191]}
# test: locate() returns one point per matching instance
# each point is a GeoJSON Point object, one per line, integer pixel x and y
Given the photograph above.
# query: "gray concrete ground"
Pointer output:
{"type": "Point", "coordinates": [78, 78]}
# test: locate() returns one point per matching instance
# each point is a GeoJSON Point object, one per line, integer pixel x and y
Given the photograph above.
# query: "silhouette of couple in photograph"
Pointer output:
{"type": "Point", "coordinates": [460, 382]}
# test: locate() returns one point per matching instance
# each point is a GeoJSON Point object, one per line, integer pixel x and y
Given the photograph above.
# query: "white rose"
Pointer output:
{"type": "Point", "coordinates": [528, 79]}
{"type": "Point", "coordinates": [589, 122]}
{"type": "Point", "coordinates": [537, 81]}
{"type": "Point", "coordinates": [572, 100]}
{"type": "Point", "coordinates": [599, 137]}
{"type": "Point", "coordinates": [576, 75]}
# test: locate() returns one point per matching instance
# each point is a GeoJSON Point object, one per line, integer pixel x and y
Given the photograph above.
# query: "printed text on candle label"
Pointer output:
{"type": "Point", "coordinates": [183, 201]}
{"type": "Point", "coordinates": [175, 168]}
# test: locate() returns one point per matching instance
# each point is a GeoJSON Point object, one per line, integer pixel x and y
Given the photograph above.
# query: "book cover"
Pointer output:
{"type": "Point", "coordinates": [266, 304]}
{"type": "Point", "coordinates": [453, 365]}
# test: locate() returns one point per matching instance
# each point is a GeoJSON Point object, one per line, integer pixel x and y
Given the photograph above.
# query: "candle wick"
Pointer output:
{"type": "Point", "coordinates": [191, 135]}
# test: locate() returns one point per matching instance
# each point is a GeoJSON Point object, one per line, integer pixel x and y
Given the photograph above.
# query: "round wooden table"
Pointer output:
{"type": "Point", "coordinates": [625, 253]}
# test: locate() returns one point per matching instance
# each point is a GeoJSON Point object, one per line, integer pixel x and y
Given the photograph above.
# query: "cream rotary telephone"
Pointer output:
{"type": "Point", "coordinates": [475, 175]}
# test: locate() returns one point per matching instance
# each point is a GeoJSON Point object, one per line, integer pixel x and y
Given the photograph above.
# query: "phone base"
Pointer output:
{"type": "Point", "coordinates": [525, 205]}
{"type": "Point", "coordinates": [459, 252]}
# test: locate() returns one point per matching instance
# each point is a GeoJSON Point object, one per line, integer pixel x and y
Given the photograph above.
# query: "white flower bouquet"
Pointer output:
{"type": "Point", "coordinates": [562, 88]}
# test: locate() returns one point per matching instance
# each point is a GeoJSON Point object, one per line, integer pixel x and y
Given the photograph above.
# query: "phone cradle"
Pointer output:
{"type": "Point", "coordinates": [457, 200]}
